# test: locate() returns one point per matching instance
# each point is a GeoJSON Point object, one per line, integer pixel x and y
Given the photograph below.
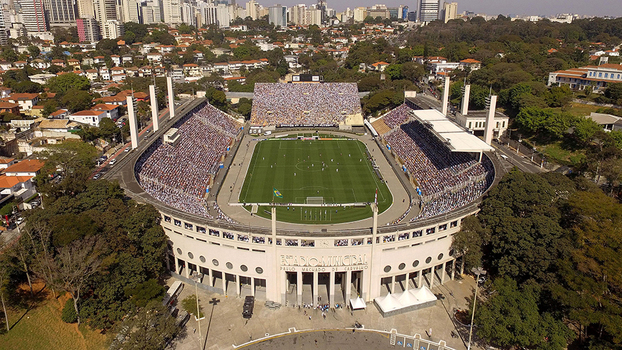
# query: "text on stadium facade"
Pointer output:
{"type": "Point", "coordinates": [325, 261]}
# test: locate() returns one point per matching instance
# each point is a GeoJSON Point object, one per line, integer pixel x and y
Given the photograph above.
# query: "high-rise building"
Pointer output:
{"type": "Point", "coordinates": [297, 14]}
{"type": "Point", "coordinates": [450, 11]}
{"type": "Point", "coordinates": [113, 29]}
{"type": "Point", "coordinates": [217, 14]}
{"type": "Point", "coordinates": [4, 35]}
{"type": "Point", "coordinates": [429, 10]}
{"type": "Point", "coordinates": [172, 11]}
{"type": "Point", "coordinates": [321, 5]}
{"type": "Point", "coordinates": [188, 14]}
{"type": "Point", "coordinates": [105, 10]}
{"type": "Point", "coordinates": [61, 13]}
{"type": "Point", "coordinates": [252, 9]}
{"type": "Point", "coordinates": [131, 11]}
{"type": "Point", "coordinates": [151, 14]}
{"type": "Point", "coordinates": [88, 30]}
{"type": "Point", "coordinates": [403, 12]}
{"type": "Point", "coordinates": [85, 8]}
{"type": "Point", "coordinates": [277, 15]}
{"type": "Point", "coordinates": [33, 16]}
{"type": "Point", "coordinates": [360, 13]}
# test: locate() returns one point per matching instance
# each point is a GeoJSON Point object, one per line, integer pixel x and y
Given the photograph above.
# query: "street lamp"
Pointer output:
{"type": "Point", "coordinates": [477, 271]}
{"type": "Point", "coordinates": [196, 277]}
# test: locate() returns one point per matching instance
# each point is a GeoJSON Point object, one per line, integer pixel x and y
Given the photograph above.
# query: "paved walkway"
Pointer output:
{"type": "Point", "coordinates": [232, 185]}
{"type": "Point", "coordinates": [227, 327]}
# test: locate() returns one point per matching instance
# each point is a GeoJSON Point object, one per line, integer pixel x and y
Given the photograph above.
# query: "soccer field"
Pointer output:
{"type": "Point", "coordinates": [303, 171]}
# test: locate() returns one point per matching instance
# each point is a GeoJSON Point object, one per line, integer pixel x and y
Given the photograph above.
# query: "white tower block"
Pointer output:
{"type": "Point", "coordinates": [133, 122]}
{"type": "Point", "coordinates": [154, 108]}
{"type": "Point", "coordinates": [445, 96]}
{"type": "Point", "coordinates": [490, 120]}
{"type": "Point", "coordinates": [465, 100]}
{"type": "Point", "coordinates": [171, 98]}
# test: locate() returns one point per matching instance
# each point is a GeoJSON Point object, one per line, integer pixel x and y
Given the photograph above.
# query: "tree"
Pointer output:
{"type": "Point", "coordinates": [149, 328]}
{"type": "Point", "coordinates": [108, 45]}
{"type": "Point", "coordinates": [245, 107]}
{"type": "Point", "coordinates": [394, 71]}
{"type": "Point", "coordinates": [467, 243]}
{"type": "Point", "coordinates": [412, 71]}
{"type": "Point", "coordinates": [522, 223]}
{"type": "Point", "coordinates": [70, 81]}
{"type": "Point", "coordinates": [74, 266]}
{"type": "Point", "coordinates": [73, 160]}
{"type": "Point", "coordinates": [4, 280]}
{"type": "Point", "coordinates": [511, 318]}
{"type": "Point", "coordinates": [190, 304]}
{"type": "Point", "coordinates": [591, 277]}
{"type": "Point", "coordinates": [76, 100]}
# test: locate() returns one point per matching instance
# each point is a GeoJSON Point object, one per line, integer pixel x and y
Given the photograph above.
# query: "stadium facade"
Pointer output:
{"type": "Point", "coordinates": [274, 261]}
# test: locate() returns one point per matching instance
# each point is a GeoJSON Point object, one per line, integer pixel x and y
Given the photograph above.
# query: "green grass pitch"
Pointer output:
{"type": "Point", "coordinates": [337, 170]}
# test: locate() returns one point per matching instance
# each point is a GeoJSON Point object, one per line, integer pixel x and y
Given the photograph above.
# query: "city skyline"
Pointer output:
{"type": "Point", "coordinates": [490, 7]}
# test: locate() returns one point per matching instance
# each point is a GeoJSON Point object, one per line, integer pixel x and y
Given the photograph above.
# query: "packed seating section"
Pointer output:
{"type": "Point", "coordinates": [304, 104]}
{"type": "Point", "coordinates": [447, 180]}
{"type": "Point", "coordinates": [178, 175]}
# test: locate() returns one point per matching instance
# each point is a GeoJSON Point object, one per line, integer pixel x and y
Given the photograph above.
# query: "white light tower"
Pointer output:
{"type": "Point", "coordinates": [154, 108]}
{"type": "Point", "coordinates": [133, 122]}
{"type": "Point", "coordinates": [445, 96]}
{"type": "Point", "coordinates": [490, 120]}
{"type": "Point", "coordinates": [171, 97]}
{"type": "Point", "coordinates": [465, 100]}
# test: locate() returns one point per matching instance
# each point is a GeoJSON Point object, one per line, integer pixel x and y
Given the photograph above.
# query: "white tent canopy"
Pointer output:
{"type": "Point", "coordinates": [409, 300]}
{"type": "Point", "coordinates": [358, 303]}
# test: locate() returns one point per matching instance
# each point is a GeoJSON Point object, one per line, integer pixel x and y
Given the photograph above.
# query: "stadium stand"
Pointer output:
{"type": "Point", "coordinates": [447, 180]}
{"type": "Point", "coordinates": [179, 175]}
{"type": "Point", "coordinates": [304, 104]}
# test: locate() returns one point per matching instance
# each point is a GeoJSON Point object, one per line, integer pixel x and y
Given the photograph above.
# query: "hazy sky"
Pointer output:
{"type": "Point", "coordinates": [491, 7]}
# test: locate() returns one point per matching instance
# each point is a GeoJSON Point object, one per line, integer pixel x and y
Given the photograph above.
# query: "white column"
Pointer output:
{"type": "Point", "coordinates": [407, 281]}
{"type": "Point", "coordinates": [187, 268]}
{"type": "Point", "coordinates": [237, 285]}
{"type": "Point", "coordinates": [133, 122]}
{"type": "Point", "coordinates": [348, 286]}
{"type": "Point", "coordinates": [252, 286]}
{"type": "Point", "coordinates": [431, 277]}
{"type": "Point", "coordinates": [490, 120]}
{"type": "Point", "coordinates": [453, 268]}
{"type": "Point", "coordinates": [299, 288]}
{"type": "Point", "coordinates": [445, 96]}
{"type": "Point", "coordinates": [154, 108]}
{"type": "Point", "coordinates": [419, 279]}
{"type": "Point", "coordinates": [392, 291]}
{"type": "Point", "coordinates": [315, 288]}
{"type": "Point", "coordinates": [171, 97]}
{"type": "Point", "coordinates": [224, 283]}
{"type": "Point", "coordinates": [177, 266]}
{"type": "Point", "coordinates": [209, 278]}
{"type": "Point", "coordinates": [465, 100]}
{"type": "Point", "coordinates": [331, 289]}
{"type": "Point", "coordinates": [444, 272]}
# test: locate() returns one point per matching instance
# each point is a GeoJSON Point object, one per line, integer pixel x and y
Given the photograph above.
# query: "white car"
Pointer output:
{"type": "Point", "coordinates": [112, 162]}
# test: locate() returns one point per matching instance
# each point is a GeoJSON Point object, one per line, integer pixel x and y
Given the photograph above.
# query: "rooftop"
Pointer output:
{"type": "Point", "coordinates": [25, 166]}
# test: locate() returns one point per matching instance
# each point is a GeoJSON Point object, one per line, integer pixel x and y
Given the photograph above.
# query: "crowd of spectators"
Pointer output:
{"type": "Point", "coordinates": [397, 116]}
{"type": "Point", "coordinates": [304, 104]}
{"type": "Point", "coordinates": [178, 175]}
{"type": "Point", "coordinates": [447, 180]}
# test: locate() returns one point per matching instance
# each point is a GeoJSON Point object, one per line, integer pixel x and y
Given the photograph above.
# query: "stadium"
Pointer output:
{"type": "Point", "coordinates": [308, 203]}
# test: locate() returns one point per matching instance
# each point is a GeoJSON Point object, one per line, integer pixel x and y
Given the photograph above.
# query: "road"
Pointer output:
{"type": "Point", "coordinates": [521, 162]}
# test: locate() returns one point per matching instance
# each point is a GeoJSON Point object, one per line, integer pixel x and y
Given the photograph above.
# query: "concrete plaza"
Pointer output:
{"type": "Point", "coordinates": [228, 330]}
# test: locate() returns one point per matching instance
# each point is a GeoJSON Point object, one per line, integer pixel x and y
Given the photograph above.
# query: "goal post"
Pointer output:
{"type": "Point", "coordinates": [315, 200]}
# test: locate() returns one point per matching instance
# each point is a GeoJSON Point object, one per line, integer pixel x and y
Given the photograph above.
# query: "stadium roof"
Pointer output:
{"type": "Point", "coordinates": [456, 138]}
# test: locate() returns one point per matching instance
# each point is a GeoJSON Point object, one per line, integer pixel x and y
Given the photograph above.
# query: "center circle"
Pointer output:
{"type": "Point", "coordinates": [311, 166]}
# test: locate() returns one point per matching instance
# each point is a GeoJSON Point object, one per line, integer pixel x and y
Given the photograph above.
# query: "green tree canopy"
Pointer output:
{"type": "Point", "coordinates": [69, 81]}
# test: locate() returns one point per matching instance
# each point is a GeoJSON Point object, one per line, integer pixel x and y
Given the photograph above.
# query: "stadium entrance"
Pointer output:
{"type": "Point", "coordinates": [326, 289]}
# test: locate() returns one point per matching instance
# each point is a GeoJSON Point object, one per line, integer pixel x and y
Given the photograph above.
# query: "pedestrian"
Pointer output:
{"type": "Point", "coordinates": [309, 317]}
